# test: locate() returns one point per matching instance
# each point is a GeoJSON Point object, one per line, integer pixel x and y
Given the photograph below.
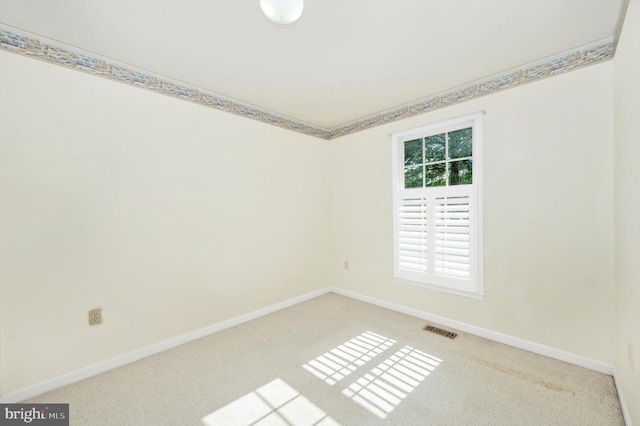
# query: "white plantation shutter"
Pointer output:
{"type": "Point", "coordinates": [452, 228]}
{"type": "Point", "coordinates": [435, 237]}
{"type": "Point", "coordinates": [412, 219]}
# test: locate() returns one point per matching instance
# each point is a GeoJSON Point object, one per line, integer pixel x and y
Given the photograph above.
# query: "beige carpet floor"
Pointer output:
{"type": "Point", "coordinates": [334, 360]}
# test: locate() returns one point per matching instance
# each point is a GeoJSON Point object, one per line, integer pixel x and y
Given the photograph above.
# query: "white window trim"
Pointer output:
{"type": "Point", "coordinates": [398, 139]}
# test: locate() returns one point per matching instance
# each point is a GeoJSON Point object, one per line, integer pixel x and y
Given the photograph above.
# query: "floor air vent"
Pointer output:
{"type": "Point", "coordinates": [440, 331]}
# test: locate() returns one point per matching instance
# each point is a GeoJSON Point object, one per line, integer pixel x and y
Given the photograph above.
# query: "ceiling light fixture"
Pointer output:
{"type": "Point", "coordinates": [282, 11]}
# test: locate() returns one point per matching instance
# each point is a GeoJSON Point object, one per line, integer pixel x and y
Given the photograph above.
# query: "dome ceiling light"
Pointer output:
{"type": "Point", "coordinates": [282, 12]}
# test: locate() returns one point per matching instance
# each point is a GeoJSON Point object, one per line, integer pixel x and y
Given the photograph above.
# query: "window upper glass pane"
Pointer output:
{"type": "Point", "coordinates": [413, 177]}
{"type": "Point", "coordinates": [460, 143]}
{"type": "Point", "coordinates": [442, 159]}
{"type": "Point", "coordinates": [413, 152]}
{"type": "Point", "coordinates": [460, 172]}
{"type": "Point", "coordinates": [434, 148]}
{"type": "Point", "coordinates": [436, 174]}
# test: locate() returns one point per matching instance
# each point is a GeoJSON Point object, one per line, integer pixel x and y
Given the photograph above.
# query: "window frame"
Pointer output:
{"type": "Point", "coordinates": [474, 286]}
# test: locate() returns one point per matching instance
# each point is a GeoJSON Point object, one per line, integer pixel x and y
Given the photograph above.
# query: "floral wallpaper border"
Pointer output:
{"type": "Point", "coordinates": [33, 46]}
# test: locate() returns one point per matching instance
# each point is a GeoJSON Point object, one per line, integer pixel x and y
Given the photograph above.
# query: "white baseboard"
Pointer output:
{"type": "Point", "coordinates": [527, 345]}
{"type": "Point", "coordinates": [110, 364]}
{"type": "Point", "coordinates": [101, 367]}
{"type": "Point", "coordinates": [623, 404]}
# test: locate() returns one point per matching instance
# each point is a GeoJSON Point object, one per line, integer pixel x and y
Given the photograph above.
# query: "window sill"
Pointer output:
{"type": "Point", "coordinates": [470, 294]}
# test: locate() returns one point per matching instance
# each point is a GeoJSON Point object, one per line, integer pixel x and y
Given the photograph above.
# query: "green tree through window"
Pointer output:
{"type": "Point", "coordinates": [443, 159]}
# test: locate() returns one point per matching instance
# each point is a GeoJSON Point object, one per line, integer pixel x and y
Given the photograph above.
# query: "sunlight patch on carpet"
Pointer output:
{"type": "Point", "coordinates": [343, 360]}
{"type": "Point", "coordinates": [391, 381]}
{"type": "Point", "coordinates": [386, 385]}
{"type": "Point", "coordinates": [275, 403]}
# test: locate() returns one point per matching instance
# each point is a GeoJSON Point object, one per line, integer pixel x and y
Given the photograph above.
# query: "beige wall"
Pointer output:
{"type": "Point", "coordinates": [168, 215]}
{"type": "Point", "coordinates": [627, 209]}
{"type": "Point", "coordinates": [171, 216]}
{"type": "Point", "coordinates": [548, 216]}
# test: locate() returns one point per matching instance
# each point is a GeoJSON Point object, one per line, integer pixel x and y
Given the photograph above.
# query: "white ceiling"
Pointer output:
{"type": "Point", "coordinates": [344, 59]}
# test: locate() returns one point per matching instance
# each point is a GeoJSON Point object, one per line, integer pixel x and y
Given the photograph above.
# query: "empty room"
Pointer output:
{"type": "Point", "coordinates": [320, 212]}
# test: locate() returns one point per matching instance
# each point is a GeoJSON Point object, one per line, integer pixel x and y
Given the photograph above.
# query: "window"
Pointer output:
{"type": "Point", "coordinates": [437, 206]}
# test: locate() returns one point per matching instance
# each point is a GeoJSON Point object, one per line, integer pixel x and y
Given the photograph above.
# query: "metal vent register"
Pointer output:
{"type": "Point", "coordinates": [441, 332]}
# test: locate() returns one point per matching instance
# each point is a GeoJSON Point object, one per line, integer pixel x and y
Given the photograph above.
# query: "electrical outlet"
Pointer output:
{"type": "Point", "coordinates": [346, 265]}
{"type": "Point", "coordinates": [95, 316]}
{"type": "Point", "coordinates": [631, 356]}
